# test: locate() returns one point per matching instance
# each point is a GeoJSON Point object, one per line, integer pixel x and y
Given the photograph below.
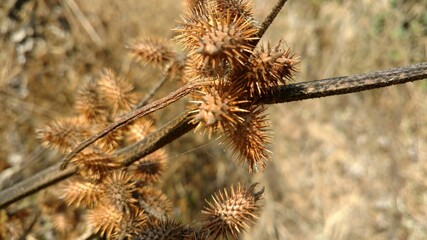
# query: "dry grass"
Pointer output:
{"type": "Point", "coordinates": [346, 167]}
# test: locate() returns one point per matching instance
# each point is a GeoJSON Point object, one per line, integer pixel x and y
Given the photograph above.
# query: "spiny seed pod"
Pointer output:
{"type": "Point", "coordinates": [152, 51]}
{"type": "Point", "coordinates": [195, 70]}
{"type": "Point", "coordinates": [155, 204]}
{"type": "Point", "coordinates": [216, 39]}
{"type": "Point", "coordinates": [118, 189]}
{"type": "Point", "coordinates": [149, 169]}
{"type": "Point", "coordinates": [104, 219]}
{"type": "Point", "coordinates": [64, 134]}
{"type": "Point", "coordinates": [89, 104]}
{"type": "Point", "coordinates": [138, 129]}
{"type": "Point", "coordinates": [156, 230]}
{"type": "Point", "coordinates": [93, 165]}
{"type": "Point", "coordinates": [218, 107]}
{"type": "Point", "coordinates": [131, 224]}
{"type": "Point", "coordinates": [79, 191]}
{"type": "Point", "coordinates": [109, 142]}
{"type": "Point", "coordinates": [237, 8]}
{"type": "Point", "coordinates": [231, 212]}
{"type": "Point", "coordinates": [117, 92]}
{"type": "Point", "coordinates": [249, 138]}
{"type": "Point", "coordinates": [268, 67]}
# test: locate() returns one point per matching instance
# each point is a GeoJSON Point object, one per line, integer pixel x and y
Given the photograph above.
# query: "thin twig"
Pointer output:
{"type": "Point", "coordinates": [148, 96]}
{"type": "Point", "coordinates": [181, 125]}
{"type": "Point", "coordinates": [270, 18]}
{"type": "Point", "coordinates": [87, 26]}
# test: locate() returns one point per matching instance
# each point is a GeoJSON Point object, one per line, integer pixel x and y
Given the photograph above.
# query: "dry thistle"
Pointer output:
{"type": "Point", "coordinates": [237, 8]}
{"type": "Point", "coordinates": [268, 67]}
{"type": "Point", "coordinates": [104, 219]}
{"type": "Point", "coordinates": [149, 169]}
{"type": "Point", "coordinates": [216, 39]}
{"type": "Point", "coordinates": [218, 107]}
{"type": "Point", "coordinates": [139, 129]}
{"type": "Point", "coordinates": [117, 92]}
{"type": "Point", "coordinates": [130, 226]}
{"type": "Point", "coordinates": [117, 189]}
{"type": "Point", "coordinates": [155, 204]}
{"type": "Point", "coordinates": [157, 230]}
{"type": "Point", "coordinates": [111, 141]}
{"type": "Point", "coordinates": [249, 139]}
{"type": "Point", "coordinates": [152, 51]}
{"type": "Point", "coordinates": [231, 212]}
{"type": "Point", "coordinates": [89, 104]}
{"type": "Point", "coordinates": [79, 191]}
{"type": "Point", "coordinates": [93, 165]}
{"type": "Point", "coordinates": [63, 134]}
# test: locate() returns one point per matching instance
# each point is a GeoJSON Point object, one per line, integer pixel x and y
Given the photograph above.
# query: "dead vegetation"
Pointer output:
{"type": "Point", "coordinates": [347, 167]}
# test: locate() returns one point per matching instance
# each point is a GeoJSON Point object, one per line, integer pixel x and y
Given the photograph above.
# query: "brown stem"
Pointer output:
{"type": "Point", "coordinates": [34, 184]}
{"type": "Point", "coordinates": [181, 125]}
{"type": "Point", "coordinates": [346, 84]}
{"type": "Point", "coordinates": [270, 18]}
{"type": "Point", "coordinates": [149, 95]}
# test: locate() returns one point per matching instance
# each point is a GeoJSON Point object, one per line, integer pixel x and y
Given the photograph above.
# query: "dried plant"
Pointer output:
{"type": "Point", "coordinates": [115, 152]}
{"type": "Point", "coordinates": [231, 212]}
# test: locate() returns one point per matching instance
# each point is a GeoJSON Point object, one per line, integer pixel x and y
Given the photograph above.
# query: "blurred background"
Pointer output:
{"type": "Point", "coordinates": [343, 167]}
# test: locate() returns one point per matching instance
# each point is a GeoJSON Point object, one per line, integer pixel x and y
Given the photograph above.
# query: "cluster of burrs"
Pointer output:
{"type": "Point", "coordinates": [219, 38]}
{"type": "Point", "coordinates": [121, 201]}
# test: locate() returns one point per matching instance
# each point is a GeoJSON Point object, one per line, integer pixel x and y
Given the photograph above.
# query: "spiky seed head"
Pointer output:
{"type": "Point", "coordinates": [249, 139]}
{"type": "Point", "coordinates": [149, 169]}
{"type": "Point", "coordinates": [218, 107]}
{"type": "Point", "coordinates": [79, 191]}
{"type": "Point", "coordinates": [63, 134]}
{"type": "Point", "coordinates": [152, 51]}
{"type": "Point", "coordinates": [195, 70]}
{"type": "Point", "coordinates": [138, 129]}
{"type": "Point", "coordinates": [268, 67]}
{"type": "Point", "coordinates": [109, 142]}
{"type": "Point", "coordinates": [155, 204]}
{"type": "Point", "coordinates": [237, 8]}
{"type": "Point", "coordinates": [118, 189]}
{"type": "Point", "coordinates": [216, 39]}
{"type": "Point", "coordinates": [117, 92]}
{"type": "Point", "coordinates": [95, 164]}
{"type": "Point", "coordinates": [231, 212]}
{"type": "Point", "coordinates": [131, 225]}
{"type": "Point", "coordinates": [167, 229]}
{"type": "Point", "coordinates": [90, 105]}
{"type": "Point", "coordinates": [104, 219]}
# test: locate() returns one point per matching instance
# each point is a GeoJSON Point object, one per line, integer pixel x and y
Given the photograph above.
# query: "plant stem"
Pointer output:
{"type": "Point", "coordinates": [181, 125]}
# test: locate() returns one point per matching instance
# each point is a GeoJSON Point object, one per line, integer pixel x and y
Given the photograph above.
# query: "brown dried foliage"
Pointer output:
{"type": "Point", "coordinates": [121, 202]}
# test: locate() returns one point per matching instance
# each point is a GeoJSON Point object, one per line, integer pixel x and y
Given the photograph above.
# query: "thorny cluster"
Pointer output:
{"type": "Point", "coordinates": [219, 39]}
